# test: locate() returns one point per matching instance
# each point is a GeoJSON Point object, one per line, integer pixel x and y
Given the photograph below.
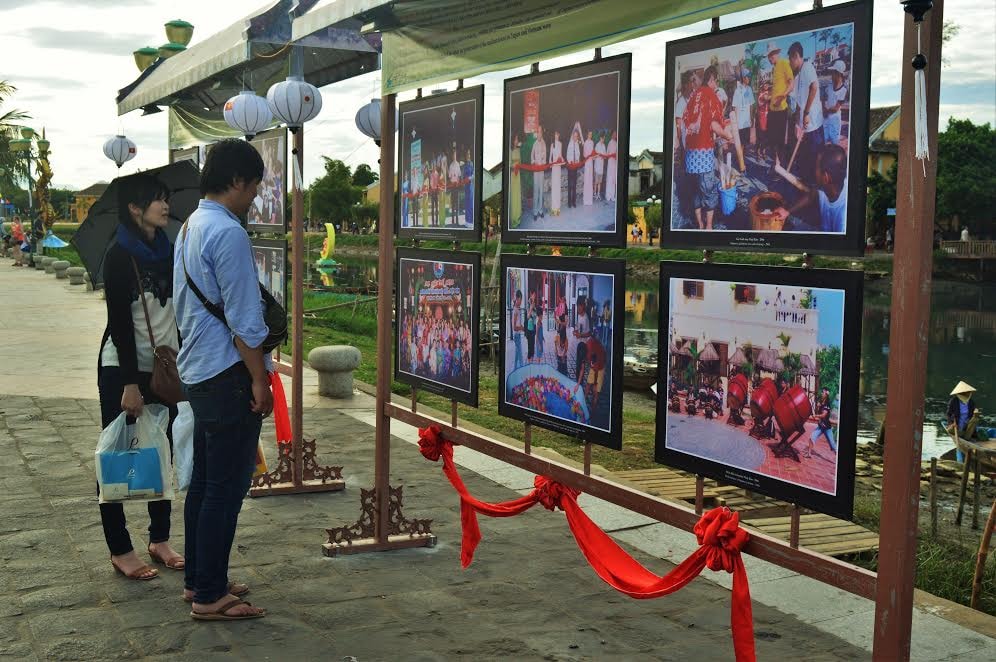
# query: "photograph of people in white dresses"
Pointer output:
{"type": "Point", "coordinates": [754, 377]}
{"type": "Point", "coordinates": [271, 270]}
{"type": "Point", "coordinates": [437, 166]}
{"type": "Point", "coordinates": [761, 135]}
{"type": "Point", "coordinates": [268, 207]}
{"type": "Point", "coordinates": [563, 155]}
{"type": "Point", "coordinates": [558, 353]}
{"type": "Point", "coordinates": [435, 342]}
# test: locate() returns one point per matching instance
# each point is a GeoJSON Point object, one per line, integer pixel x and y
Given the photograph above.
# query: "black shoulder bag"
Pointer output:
{"type": "Point", "coordinates": [274, 315]}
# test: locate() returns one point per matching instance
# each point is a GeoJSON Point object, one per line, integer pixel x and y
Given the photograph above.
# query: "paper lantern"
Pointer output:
{"type": "Point", "coordinates": [294, 101]}
{"type": "Point", "coordinates": [368, 120]}
{"type": "Point", "coordinates": [248, 113]}
{"type": "Point", "coordinates": [119, 149]}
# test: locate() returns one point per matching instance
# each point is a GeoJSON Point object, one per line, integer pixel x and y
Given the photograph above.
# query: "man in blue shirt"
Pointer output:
{"type": "Point", "coordinates": [224, 372]}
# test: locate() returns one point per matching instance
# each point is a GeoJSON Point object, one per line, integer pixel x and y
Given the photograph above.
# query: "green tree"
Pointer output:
{"type": "Point", "coordinates": [966, 170]}
{"type": "Point", "coordinates": [828, 369]}
{"type": "Point", "coordinates": [333, 195]}
{"type": "Point", "coordinates": [363, 176]}
{"type": "Point", "coordinates": [881, 196]}
{"type": "Point", "coordinates": [13, 165]}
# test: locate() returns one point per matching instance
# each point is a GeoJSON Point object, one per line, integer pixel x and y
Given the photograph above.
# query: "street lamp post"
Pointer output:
{"type": "Point", "coordinates": [651, 201]}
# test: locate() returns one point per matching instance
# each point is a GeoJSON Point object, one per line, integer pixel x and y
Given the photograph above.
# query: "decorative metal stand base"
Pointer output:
{"type": "Point", "coordinates": [361, 536]}
{"type": "Point", "coordinates": [280, 480]}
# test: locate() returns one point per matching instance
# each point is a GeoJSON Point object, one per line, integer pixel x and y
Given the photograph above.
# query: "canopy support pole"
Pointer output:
{"type": "Point", "coordinates": [911, 283]}
{"type": "Point", "coordinates": [382, 526]}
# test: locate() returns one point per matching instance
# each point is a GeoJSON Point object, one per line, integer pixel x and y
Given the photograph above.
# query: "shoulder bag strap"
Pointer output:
{"type": "Point", "coordinates": [212, 308]}
{"type": "Point", "coordinates": [145, 306]}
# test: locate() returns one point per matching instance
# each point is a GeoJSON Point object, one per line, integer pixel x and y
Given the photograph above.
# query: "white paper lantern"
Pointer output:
{"type": "Point", "coordinates": [248, 113]}
{"type": "Point", "coordinates": [120, 149]}
{"type": "Point", "coordinates": [294, 101]}
{"type": "Point", "coordinates": [368, 120]}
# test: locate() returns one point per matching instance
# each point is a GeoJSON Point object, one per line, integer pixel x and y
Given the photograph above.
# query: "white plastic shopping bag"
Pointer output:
{"type": "Point", "coordinates": [183, 445]}
{"type": "Point", "coordinates": [132, 461]}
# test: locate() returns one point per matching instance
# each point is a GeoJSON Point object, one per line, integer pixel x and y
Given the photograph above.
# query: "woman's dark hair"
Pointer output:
{"type": "Point", "coordinates": [141, 191]}
{"type": "Point", "coordinates": [227, 161]}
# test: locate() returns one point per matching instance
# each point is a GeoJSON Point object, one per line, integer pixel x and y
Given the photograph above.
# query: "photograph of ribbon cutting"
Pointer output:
{"type": "Point", "coordinates": [440, 153]}
{"type": "Point", "coordinates": [267, 211]}
{"type": "Point", "coordinates": [563, 180]}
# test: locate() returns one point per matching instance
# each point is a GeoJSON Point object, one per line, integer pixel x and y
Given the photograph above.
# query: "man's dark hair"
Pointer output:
{"type": "Point", "coordinates": [795, 49]}
{"type": "Point", "coordinates": [833, 161]}
{"type": "Point", "coordinates": [227, 161]}
{"type": "Point", "coordinates": [686, 79]}
{"type": "Point", "coordinates": [710, 72]}
{"type": "Point", "coordinates": [141, 191]}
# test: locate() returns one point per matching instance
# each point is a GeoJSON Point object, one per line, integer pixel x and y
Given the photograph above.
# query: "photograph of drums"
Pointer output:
{"type": "Point", "coordinates": [759, 384]}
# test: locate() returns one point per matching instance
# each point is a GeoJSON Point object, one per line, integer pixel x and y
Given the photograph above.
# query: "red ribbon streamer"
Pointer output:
{"type": "Point", "coordinates": [281, 417]}
{"type": "Point", "coordinates": [718, 533]}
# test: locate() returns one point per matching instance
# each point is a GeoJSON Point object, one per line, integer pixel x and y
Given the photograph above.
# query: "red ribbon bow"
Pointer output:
{"type": "Point", "coordinates": [718, 532]}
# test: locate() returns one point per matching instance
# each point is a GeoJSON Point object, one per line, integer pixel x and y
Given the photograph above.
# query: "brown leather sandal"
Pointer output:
{"type": "Point", "coordinates": [175, 563]}
{"type": "Point", "coordinates": [220, 614]}
{"type": "Point", "coordinates": [237, 589]}
{"type": "Point", "coordinates": [139, 574]}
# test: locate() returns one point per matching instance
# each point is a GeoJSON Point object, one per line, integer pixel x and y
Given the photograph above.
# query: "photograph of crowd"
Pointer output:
{"type": "Point", "coordinates": [561, 346]}
{"type": "Point", "coordinates": [437, 309]}
{"type": "Point", "coordinates": [760, 126]}
{"type": "Point", "coordinates": [564, 180]}
{"type": "Point", "coordinates": [271, 266]}
{"type": "Point", "coordinates": [755, 376]}
{"type": "Point", "coordinates": [440, 152]}
{"type": "Point", "coordinates": [267, 211]}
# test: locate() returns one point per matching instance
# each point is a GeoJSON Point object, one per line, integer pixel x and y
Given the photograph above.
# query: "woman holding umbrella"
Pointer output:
{"type": "Point", "coordinates": [138, 276]}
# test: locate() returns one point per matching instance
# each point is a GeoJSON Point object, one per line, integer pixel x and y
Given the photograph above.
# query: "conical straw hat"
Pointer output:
{"type": "Point", "coordinates": [962, 387]}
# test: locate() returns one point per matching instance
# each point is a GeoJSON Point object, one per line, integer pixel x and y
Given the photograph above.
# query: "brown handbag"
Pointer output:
{"type": "Point", "coordinates": [165, 381]}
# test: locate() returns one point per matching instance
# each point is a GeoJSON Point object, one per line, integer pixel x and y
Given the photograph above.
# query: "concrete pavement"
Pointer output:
{"type": "Point", "coordinates": [529, 594]}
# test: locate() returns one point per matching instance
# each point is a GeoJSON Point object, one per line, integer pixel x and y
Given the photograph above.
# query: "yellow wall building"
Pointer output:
{"type": "Point", "coordinates": [83, 200]}
{"type": "Point", "coordinates": [883, 139]}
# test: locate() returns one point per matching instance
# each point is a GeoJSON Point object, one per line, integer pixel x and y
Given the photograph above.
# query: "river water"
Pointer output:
{"type": "Point", "coordinates": [962, 343]}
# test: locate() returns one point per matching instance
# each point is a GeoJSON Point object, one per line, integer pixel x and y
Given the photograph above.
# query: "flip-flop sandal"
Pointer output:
{"type": "Point", "coordinates": [175, 563]}
{"type": "Point", "coordinates": [220, 615]}
{"type": "Point", "coordinates": [235, 588]}
{"type": "Point", "coordinates": [138, 574]}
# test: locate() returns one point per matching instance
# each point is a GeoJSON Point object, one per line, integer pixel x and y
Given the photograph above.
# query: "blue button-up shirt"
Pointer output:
{"type": "Point", "coordinates": [219, 261]}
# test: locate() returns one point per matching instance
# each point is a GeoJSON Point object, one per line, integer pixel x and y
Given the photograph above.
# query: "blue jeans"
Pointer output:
{"type": "Point", "coordinates": [829, 435]}
{"type": "Point", "coordinates": [226, 434]}
{"type": "Point", "coordinates": [517, 340]}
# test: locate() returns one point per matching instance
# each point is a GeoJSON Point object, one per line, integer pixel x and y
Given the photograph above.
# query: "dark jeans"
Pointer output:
{"type": "Point", "coordinates": [777, 120]}
{"type": "Point", "coordinates": [112, 516]}
{"type": "Point", "coordinates": [226, 433]}
{"type": "Point", "coordinates": [572, 187]}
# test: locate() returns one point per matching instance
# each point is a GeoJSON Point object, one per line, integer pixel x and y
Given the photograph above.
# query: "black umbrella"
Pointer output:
{"type": "Point", "coordinates": [97, 233]}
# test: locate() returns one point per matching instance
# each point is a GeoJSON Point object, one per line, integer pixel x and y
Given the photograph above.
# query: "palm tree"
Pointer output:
{"type": "Point", "coordinates": [14, 167]}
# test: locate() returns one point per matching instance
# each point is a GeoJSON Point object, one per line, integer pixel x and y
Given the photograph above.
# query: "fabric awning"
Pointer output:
{"type": "Point", "coordinates": [251, 53]}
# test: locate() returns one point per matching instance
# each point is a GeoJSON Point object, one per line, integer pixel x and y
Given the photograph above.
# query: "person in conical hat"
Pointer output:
{"type": "Point", "coordinates": [961, 407]}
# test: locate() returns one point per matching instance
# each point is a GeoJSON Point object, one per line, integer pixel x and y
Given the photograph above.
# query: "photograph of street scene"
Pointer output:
{"type": "Point", "coordinates": [754, 378]}
{"type": "Point", "coordinates": [559, 331]}
{"type": "Point", "coordinates": [271, 266]}
{"type": "Point", "coordinates": [267, 211]}
{"type": "Point", "coordinates": [439, 144]}
{"type": "Point", "coordinates": [565, 130]}
{"type": "Point", "coordinates": [437, 322]}
{"type": "Point", "coordinates": [761, 130]}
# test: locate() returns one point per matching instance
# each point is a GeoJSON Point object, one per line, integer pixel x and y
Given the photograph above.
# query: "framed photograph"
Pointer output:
{"type": "Point", "coordinates": [767, 125]}
{"type": "Point", "coordinates": [437, 299]}
{"type": "Point", "coordinates": [566, 155]}
{"type": "Point", "coordinates": [188, 154]}
{"type": "Point", "coordinates": [561, 343]}
{"type": "Point", "coordinates": [266, 215]}
{"type": "Point", "coordinates": [758, 386]}
{"type": "Point", "coordinates": [271, 266]}
{"type": "Point", "coordinates": [440, 158]}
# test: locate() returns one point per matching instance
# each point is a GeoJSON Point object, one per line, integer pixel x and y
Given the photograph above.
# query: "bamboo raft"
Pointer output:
{"type": "Point", "coordinates": [818, 532]}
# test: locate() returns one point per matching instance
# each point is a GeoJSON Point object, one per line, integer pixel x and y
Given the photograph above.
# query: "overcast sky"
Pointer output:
{"type": "Point", "coordinates": [68, 59]}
